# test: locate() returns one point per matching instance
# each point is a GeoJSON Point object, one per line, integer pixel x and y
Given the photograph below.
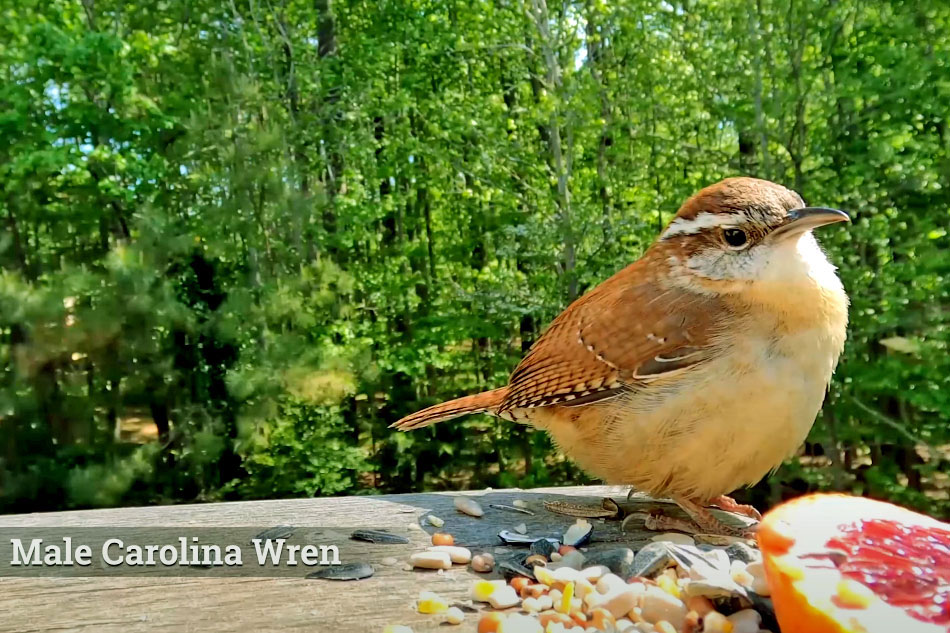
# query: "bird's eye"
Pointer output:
{"type": "Point", "coordinates": [736, 238]}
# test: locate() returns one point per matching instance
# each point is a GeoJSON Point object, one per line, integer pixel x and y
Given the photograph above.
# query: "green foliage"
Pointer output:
{"type": "Point", "coordinates": [108, 483]}
{"type": "Point", "coordinates": [240, 239]}
{"type": "Point", "coordinates": [304, 450]}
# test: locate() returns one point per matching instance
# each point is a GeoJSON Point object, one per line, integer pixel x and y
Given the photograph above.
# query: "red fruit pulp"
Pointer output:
{"type": "Point", "coordinates": [906, 566]}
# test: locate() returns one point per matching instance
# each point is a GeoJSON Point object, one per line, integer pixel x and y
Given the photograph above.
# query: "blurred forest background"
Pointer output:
{"type": "Point", "coordinates": [241, 237]}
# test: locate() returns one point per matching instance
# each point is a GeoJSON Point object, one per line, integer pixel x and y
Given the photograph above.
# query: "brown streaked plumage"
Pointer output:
{"type": "Point", "coordinates": [696, 369]}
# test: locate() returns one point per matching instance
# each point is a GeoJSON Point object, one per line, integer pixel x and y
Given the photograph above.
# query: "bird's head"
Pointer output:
{"type": "Point", "coordinates": [743, 230]}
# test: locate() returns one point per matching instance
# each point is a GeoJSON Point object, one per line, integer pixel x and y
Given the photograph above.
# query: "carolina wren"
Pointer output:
{"type": "Point", "coordinates": [700, 367]}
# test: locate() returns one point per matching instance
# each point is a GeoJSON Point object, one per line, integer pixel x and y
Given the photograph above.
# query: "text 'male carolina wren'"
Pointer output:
{"type": "Point", "coordinates": [697, 369]}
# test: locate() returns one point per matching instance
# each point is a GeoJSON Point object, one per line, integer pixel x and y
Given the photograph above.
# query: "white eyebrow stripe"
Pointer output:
{"type": "Point", "coordinates": [704, 220]}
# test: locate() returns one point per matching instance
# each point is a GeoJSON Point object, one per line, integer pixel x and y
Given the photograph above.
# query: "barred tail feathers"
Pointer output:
{"type": "Point", "coordinates": [478, 403]}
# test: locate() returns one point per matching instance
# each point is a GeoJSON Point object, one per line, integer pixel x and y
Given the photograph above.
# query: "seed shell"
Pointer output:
{"type": "Point", "coordinates": [378, 536]}
{"type": "Point", "coordinates": [346, 571]}
{"type": "Point", "coordinates": [468, 506]}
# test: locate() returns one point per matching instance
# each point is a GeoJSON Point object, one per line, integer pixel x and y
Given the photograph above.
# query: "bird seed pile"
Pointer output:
{"type": "Point", "coordinates": [675, 584]}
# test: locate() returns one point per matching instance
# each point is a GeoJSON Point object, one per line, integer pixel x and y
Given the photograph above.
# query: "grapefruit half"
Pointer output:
{"type": "Point", "coordinates": [841, 564]}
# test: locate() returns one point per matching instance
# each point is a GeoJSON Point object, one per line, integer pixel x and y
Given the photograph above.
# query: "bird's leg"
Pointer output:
{"type": "Point", "coordinates": [727, 503]}
{"type": "Point", "coordinates": [658, 522]}
{"type": "Point", "coordinates": [703, 521]}
{"type": "Point", "coordinates": [707, 522]}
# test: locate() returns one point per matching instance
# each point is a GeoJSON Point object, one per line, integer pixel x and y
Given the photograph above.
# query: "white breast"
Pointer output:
{"type": "Point", "coordinates": [728, 423]}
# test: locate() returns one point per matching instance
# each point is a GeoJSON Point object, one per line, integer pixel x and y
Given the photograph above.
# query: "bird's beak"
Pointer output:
{"type": "Point", "coordinates": [807, 218]}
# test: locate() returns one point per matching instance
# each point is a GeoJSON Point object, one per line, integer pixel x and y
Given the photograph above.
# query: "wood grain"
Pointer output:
{"type": "Point", "coordinates": [270, 604]}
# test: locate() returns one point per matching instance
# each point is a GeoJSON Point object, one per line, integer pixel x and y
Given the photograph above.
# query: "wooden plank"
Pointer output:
{"type": "Point", "coordinates": [261, 604]}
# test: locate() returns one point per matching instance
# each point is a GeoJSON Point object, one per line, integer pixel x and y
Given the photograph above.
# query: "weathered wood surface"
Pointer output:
{"type": "Point", "coordinates": [271, 604]}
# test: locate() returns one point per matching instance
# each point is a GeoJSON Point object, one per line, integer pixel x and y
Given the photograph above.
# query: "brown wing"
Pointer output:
{"type": "Point", "coordinates": [624, 334]}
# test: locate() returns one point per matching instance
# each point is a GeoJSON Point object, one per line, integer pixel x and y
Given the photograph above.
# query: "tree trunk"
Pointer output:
{"type": "Point", "coordinates": [559, 161]}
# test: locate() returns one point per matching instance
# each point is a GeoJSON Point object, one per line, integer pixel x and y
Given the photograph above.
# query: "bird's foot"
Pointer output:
{"type": "Point", "coordinates": [656, 522]}
{"type": "Point", "coordinates": [727, 503]}
{"type": "Point", "coordinates": [703, 522]}
{"type": "Point", "coordinates": [708, 522]}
